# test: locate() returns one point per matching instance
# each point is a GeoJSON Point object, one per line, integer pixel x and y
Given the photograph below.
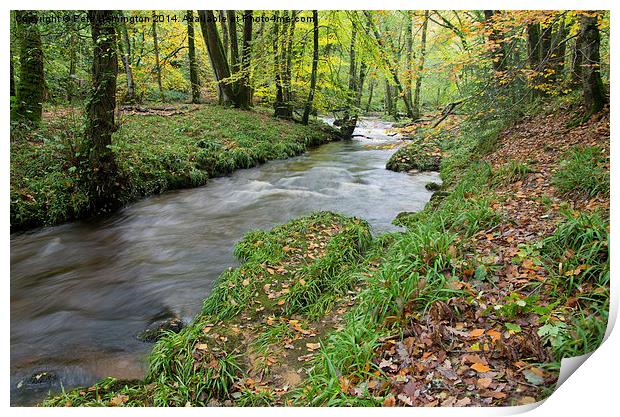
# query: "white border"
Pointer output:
{"type": "Point", "coordinates": [592, 390]}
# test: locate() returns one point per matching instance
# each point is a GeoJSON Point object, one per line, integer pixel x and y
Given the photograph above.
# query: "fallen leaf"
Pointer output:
{"type": "Point", "coordinates": [480, 367]}
{"type": "Point", "coordinates": [313, 346]}
{"type": "Point", "coordinates": [118, 400]}
{"type": "Point", "coordinates": [476, 333]}
{"type": "Point", "coordinates": [405, 399]}
{"type": "Point", "coordinates": [389, 401]}
{"type": "Point", "coordinates": [463, 402]}
{"type": "Point", "coordinates": [484, 382]}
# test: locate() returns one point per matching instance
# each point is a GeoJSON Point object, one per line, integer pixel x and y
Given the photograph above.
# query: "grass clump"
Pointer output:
{"type": "Point", "coordinates": [577, 258]}
{"type": "Point", "coordinates": [584, 172]}
{"type": "Point", "coordinates": [154, 153]}
{"type": "Point", "coordinates": [513, 171]}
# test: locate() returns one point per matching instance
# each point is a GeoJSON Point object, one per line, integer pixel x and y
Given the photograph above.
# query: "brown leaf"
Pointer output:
{"type": "Point", "coordinates": [484, 382]}
{"type": "Point", "coordinates": [389, 401]}
{"type": "Point", "coordinates": [118, 400]}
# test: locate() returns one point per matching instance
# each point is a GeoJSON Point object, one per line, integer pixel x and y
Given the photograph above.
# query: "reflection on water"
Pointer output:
{"type": "Point", "coordinates": [81, 291]}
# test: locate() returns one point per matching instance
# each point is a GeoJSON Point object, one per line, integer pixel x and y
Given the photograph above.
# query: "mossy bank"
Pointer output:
{"type": "Point", "coordinates": [154, 152]}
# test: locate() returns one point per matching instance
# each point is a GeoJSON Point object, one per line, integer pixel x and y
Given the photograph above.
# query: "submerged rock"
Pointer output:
{"type": "Point", "coordinates": [157, 329]}
{"type": "Point", "coordinates": [38, 380]}
{"type": "Point", "coordinates": [420, 156]}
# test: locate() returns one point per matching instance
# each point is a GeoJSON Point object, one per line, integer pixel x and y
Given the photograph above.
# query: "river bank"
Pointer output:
{"type": "Point", "coordinates": [104, 280]}
{"type": "Point", "coordinates": [156, 150]}
{"type": "Point", "coordinates": [473, 294]}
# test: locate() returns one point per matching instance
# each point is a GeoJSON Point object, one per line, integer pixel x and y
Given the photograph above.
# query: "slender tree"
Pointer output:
{"type": "Point", "coordinates": [420, 69]}
{"type": "Point", "coordinates": [594, 96]}
{"type": "Point", "coordinates": [130, 96]}
{"type": "Point", "coordinates": [246, 56]}
{"type": "Point", "coordinates": [157, 63]}
{"type": "Point", "coordinates": [315, 64]}
{"type": "Point", "coordinates": [102, 171]}
{"type": "Point", "coordinates": [31, 86]}
{"type": "Point", "coordinates": [191, 48]}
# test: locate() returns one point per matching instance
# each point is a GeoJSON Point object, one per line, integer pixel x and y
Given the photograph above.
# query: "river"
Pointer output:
{"type": "Point", "coordinates": [81, 291]}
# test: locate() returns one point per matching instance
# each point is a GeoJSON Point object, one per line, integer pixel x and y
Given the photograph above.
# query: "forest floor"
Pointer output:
{"type": "Point", "coordinates": [474, 303]}
{"type": "Point", "coordinates": [157, 148]}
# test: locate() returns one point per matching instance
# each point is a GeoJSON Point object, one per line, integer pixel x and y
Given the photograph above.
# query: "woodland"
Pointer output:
{"type": "Point", "coordinates": [472, 301]}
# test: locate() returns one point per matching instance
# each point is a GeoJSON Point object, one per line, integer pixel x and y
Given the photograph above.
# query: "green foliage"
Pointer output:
{"type": "Point", "coordinates": [513, 171]}
{"type": "Point", "coordinates": [583, 172]}
{"type": "Point", "coordinates": [581, 245]}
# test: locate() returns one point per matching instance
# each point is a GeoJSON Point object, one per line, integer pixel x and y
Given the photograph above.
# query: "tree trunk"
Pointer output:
{"type": "Point", "coordinates": [315, 64]}
{"type": "Point", "coordinates": [191, 48]}
{"type": "Point", "coordinates": [224, 28]}
{"type": "Point", "coordinates": [72, 64]}
{"type": "Point", "coordinates": [234, 44]}
{"type": "Point", "coordinates": [577, 61]}
{"type": "Point", "coordinates": [498, 53]}
{"type": "Point", "coordinates": [282, 105]}
{"type": "Point", "coordinates": [288, 86]}
{"type": "Point", "coordinates": [130, 97]}
{"type": "Point", "coordinates": [246, 54]}
{"type": "Point", "coordinates": [360, 84]}
{"type": "Point", "coordinates": [389, 101]}
{"type": "Point", "coordinates": [387, 62]}
{"type": "Point", "coordinates": [230, 88]}
{"type": "Point", "coordinates": [29, 106]}
{"type": "Point", "coordinates": [278, 104]}
{"type": "Point", "coordinates": [594, 96]}
{"type": "Point", "coordinates": [12, 86]}
{"type": "Point", "coordinates": [371, 89]}
{"type": "Point", "coordinates": [102, 171]}
{"type": "Point", "coordinates": [558, 51]}
{"type": "Point", "coordinates": [418, 80]}
{"type": "Point", "coordinates": [157, 64]}
{"type": "Point", "coordinates": [534, 55]}
{"type": "Point", "coordinates": [409, 57]}
{"type": "Point", "coordinates": [349, 120]}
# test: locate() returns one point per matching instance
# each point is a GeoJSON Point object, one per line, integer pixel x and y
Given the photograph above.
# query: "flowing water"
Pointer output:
{"type": "Point", "coordinates": [81, 291]}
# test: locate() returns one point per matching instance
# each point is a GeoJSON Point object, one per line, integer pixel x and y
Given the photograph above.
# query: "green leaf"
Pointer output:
{"type": "Point", "coordinates": [513, 327]}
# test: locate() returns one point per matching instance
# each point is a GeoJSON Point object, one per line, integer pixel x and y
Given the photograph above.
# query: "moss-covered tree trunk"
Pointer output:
{"type": "Point", "coordinates": [31, 86]}
{"type": "Point", "coordinates": [191, 47]}
{"type": "Point", "coordinates": [101, 172]}
{"type": "Point", "coordinates": [594, 96]}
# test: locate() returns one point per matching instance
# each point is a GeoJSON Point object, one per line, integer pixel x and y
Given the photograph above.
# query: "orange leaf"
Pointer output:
{"type": "Point", "coordinates": [480, 367]}
{"type": "Point", "coordinates": [495, 335]}
{"type": "Point", "coordinates": [476, 333]}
